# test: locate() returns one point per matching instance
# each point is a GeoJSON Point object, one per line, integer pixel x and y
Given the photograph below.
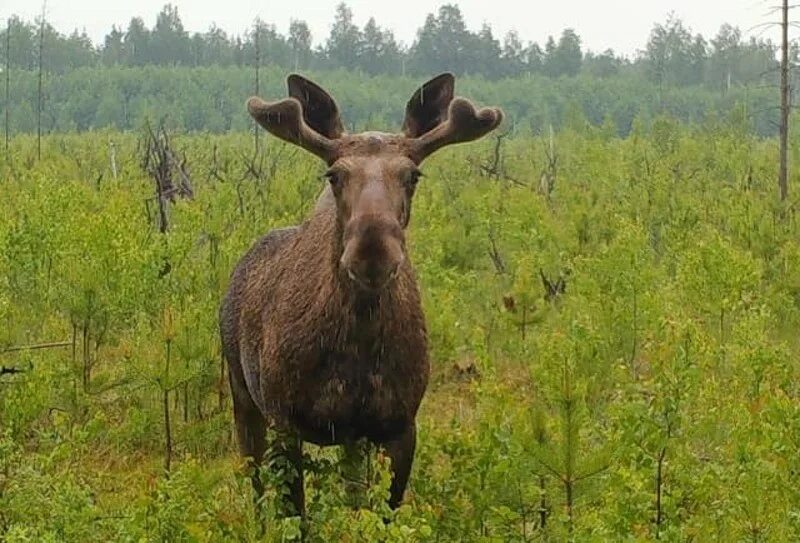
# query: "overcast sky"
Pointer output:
{"type": "Point", "coordinates": [622, 25]}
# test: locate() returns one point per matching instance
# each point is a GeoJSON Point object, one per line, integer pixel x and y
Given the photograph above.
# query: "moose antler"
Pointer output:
{"type": "Point", "coordinates": [284, 119]}
{"type": "Point", "coordinates": [464, 123]}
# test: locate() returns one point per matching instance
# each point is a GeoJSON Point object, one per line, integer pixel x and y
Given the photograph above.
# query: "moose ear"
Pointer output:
{"type": "Point", "coordinates": [320, 111]}
{"type": "Point", "coordinates": [428, 106]}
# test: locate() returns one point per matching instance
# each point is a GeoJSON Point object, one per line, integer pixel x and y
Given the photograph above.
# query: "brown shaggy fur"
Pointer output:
{"type": "Point", "coordinates": [312, 351]}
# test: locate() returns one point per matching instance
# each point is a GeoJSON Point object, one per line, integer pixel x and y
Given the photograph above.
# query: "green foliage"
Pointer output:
{"type": "Point", "coordinates": [654, 398]}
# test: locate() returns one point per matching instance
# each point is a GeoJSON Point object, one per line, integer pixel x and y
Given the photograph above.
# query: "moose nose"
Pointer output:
{"type": "Point", "coordinates": [373, 253]}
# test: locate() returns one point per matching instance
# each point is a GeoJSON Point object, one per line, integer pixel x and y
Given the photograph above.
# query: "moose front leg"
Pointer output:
{"type": "Point", "coordinates": [287, 451]}
{"type": "Point", "coordinates": [355, 471]}
{"type": "Point", "coordinates": [401, 452]}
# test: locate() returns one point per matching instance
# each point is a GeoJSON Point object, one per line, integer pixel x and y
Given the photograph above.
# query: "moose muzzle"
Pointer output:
{"type": "Point", "coordinates": [373, 251]}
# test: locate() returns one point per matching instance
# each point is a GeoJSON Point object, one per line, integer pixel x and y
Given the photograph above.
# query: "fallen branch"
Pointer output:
{"type": "Point", "coordinates": [37, 346]}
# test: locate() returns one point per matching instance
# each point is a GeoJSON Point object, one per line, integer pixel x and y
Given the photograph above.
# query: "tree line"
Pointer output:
{"type": "Point", "coordinates": [673, 55]}
{"type": "Point", "coordinates": [196, 82]}
{"type": "Point", "coordinates": [212, 99]}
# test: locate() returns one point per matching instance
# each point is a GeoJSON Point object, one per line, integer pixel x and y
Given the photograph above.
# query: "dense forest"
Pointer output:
{"type": "Point", "coordinates": [164, 72]}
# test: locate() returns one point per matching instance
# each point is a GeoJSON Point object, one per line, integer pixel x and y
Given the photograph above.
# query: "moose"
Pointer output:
{"type": "Point", "coordinates": [322, 325]}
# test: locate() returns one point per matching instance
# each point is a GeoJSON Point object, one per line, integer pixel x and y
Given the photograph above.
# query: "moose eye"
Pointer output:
{"type": "Point", "coordinates": [334, 177]}
{"type": "Point", "coordinates": [413, 178]}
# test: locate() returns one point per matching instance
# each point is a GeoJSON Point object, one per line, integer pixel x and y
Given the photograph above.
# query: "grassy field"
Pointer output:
{"type": "Point", "coordinates": [657, 397]}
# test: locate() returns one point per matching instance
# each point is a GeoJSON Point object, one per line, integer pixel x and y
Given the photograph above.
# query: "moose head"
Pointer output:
{"type": "Point", "coordinates": [373, 175]}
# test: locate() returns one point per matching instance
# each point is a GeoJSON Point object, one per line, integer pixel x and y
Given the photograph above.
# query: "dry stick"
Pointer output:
{"type": "Point", "coordinates": [524, 322]}
{"type": "Point", "coordinates": [221, 395]}
{"type": "Point", "coordinates": [36, 346]}
{"type": "Point", "coordinates": [635, 342]}
{"type": "Point", "coordinates": [185, 188]}
{"type": "Point", "coordinates": [659, 490]}
{"type": "Point", "coordinates": [569, 449]}
{"type": "Point", "coordinates": [153, 153]}
{"type": "Point", "coordinates": [39, 100]}
{"type": "Point", "coordinates": [86, 354]}
{"type": "Point", "coordinates": [113, 149]}
{"type": "Point", "coordinates": [494, 254]}
{"type": "Point", "coordinates": [548, 178]}
{"type": "Point", "coordinates": [186, 402]}
{"type": "Point", "coordinates": [8, 77]}
{"type": "Point", "coordinates": [74, 340]}
{"type": "Point", "coordinates": [74, 356]}
{"type": "Point", "coordinates": [258, 62]}
{"type": "Point", "coordinates": [783, 174]}
{"type": "Point", "coordinates": [494, 169]}
{"type": "Point", "coordinates": [167, 427]}
{"type": "Point", "coordinates": [542, 502]}
{"type": "Point", "coordinates": [523, 513]}
{"type": "Point", "coordinates": [198, 406]}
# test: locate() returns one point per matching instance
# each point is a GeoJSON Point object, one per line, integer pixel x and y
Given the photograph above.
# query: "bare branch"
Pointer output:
{"type": "Point", "coordinates": [53, 345]}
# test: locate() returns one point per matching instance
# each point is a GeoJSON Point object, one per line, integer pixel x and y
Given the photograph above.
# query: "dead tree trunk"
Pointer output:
{"type": "Point", "coordinates": [783, 175]}
{"type": "Point", "coordinates": [160, 161]}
